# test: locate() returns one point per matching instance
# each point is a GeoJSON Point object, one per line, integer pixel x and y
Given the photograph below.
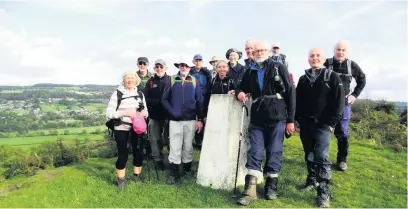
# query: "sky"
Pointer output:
{"type": "Point", "coordinates": [94, 42]}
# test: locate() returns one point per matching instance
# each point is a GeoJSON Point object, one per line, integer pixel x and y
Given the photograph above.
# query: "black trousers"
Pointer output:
{"type": "Point", "coordinates": [122, 138]}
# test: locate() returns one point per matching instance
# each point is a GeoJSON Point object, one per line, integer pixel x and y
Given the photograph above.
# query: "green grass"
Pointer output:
{"type": "Point", "coordinates": [376, 178]}
{"type": "Point", "coordinates": [27, 142]}
{"type": "Point", "coordinates": [12, 91]}
{"type": "Point", "coordinates": [52, 107]}
{"type": "Point", "coordinates": [75, 107]}
{"type": "Point", "coordinates": [24, 112]}
{"type": "Point", "coordinates": [71, 130]}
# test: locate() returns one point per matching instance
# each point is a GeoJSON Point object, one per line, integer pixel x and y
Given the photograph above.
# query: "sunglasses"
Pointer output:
{"type": "Point", "coordinates": [198, 60]}
{"type": "Point", "coordinates": [183, 65]}
{"type": "Point", "coordinates": [275, 47]}
{"type": "Point", "coordinates": [159, 66]}
{"type": "Point", "coordinates": [142, 63]}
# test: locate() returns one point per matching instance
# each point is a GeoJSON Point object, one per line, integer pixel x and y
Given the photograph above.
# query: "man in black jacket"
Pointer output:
{"type": "Point", "coordinates": [158, 123]}
{"type": "Point", "coordinates": [272, 112]}
{"type": "Point", "coordinates": [347, 70]}
{"type": "Point", "coordinates": [319, 106]}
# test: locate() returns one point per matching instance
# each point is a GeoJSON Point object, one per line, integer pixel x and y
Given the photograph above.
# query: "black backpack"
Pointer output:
{"type": "Point", "coordinates": [111, 123]}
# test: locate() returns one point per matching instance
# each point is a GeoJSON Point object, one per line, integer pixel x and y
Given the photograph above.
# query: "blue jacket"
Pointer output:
{"type": "Point", "coordinates": [182, 101]}
{"type": "Point", "coordinates": [204, 79]}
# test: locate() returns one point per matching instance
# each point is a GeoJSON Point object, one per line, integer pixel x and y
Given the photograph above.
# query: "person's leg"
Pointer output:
{"type": "Point", "coordinates": [342, 135]}
{"type": "Point", "coordinates": [188, 151]}
{"type": "Point", "coordinates": [308, 142]}
{"type": "Point", "coordinates": [176, 144]}
{"type": "Point", "coordinates": [155, 136]}
{"type": "Point", "coordinates": [273, 137]}
{"type": "Point", "coordinates": [322, 136]}
{"type": "Point", "coordinates": [254, 160]}
{"type": "Point", "coordinates": [166, 135]}
{"type": "Point", "coordinates": [137, 149]}
{"type": "Point", "coordinates": [121, 138]}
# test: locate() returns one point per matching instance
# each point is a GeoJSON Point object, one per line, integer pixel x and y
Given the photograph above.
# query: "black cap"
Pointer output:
{"type": "Point", "coordinates": [143, 59]}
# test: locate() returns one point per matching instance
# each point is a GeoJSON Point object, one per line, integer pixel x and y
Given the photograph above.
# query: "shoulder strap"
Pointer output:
{"type": "Point", "coordinates": [119, 95]}
{"type": "Point", "coordinates": [327, 74]}
{"type": "Point", "coordinates": [330, 60]}
{"type": "Point", "coordinates": [140, 95]}
{"type": "Point", "coordinates": [349, 67]}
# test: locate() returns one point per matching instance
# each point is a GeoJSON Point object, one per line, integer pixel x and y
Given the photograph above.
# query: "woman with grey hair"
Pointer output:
{"type": "Point", "coordinates": [124, 104]}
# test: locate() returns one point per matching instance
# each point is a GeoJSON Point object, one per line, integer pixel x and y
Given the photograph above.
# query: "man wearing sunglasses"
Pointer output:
{"type": "Point", "coordinates": [158, 124]}
{"type": "Point", "coordinates": [203, 75]}
{"type": "Point", "coordinates": [143, 72]}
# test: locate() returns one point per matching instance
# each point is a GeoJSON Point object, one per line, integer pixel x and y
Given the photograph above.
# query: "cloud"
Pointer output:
{"type": "Point", "coordinates": [194, 43]}
{"type": "Point", "coordinates": [338, 22]}
{"type": "Point", "coordinates": [128, 54]}
{"type": "Point", "coordinates": [162, 41]}
{"type": "Point", "coordinates": [195, 6]}
{"type": "Point", "coordinates": [138, 31]}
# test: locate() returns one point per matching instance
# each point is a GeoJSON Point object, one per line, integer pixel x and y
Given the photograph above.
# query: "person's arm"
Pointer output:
{"type": "Point", "coordinates": [111, 111]}
{"type": "Point", "coordinates": [165, 100]}
{"type": "Point", "coordinates": [299, 99]}
{"type": "Point", "coordinates": [199, 103]}
{"type": "Point", "coordinates": [337, 96]}
{"type": "Point", "coordinates": [290, 94]}
{"type": "Point", "coordinates": [360, 77]}
{"type": "Point", "coordinates": [244, 85]}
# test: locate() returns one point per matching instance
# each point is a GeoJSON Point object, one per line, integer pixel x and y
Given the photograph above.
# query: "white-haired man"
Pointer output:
{"type": "Point", "coordinates": [346, 69]}
{"type": "Point", "coordinates": [272, 113]}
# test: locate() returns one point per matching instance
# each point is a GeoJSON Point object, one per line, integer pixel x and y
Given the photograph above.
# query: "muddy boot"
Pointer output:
{"type": "Point", "coordinates": [187, 169]}
{"type": "Point", "coordinates": [174, 175]}
{"type": "Point", "coordinates": [271, 188]}
{"type": "Point", "coordinates": [249, 194]}
{"type": "Point", "coordinates": [323, 195]}
{"type": "Point", "coordinates": [310, 185]}
{"type": "Point", "coordinates": [121, 183]}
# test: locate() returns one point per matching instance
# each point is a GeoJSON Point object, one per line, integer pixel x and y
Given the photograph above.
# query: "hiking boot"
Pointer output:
{"type": "Point", "coordinates": [121, 183]}
{"type": "Point", "coordinates": [309, 186]}
{"type": "Point", "coordinates": [271, 188]}
{"type": "Point", "coordinates": [187, 169]}
{"type": "Point", "coordinates": [342, 166]}
{"type": "Point", "coordinates": [323, 201]}
{"type": "Point", "coordinates": [137, 178]}
{"type": "Point", "coordinates": [174, 175]}
{"type": "Point", "coordinates": [249, 194]}
{"type": "Point", "coordinates": [323, 195]}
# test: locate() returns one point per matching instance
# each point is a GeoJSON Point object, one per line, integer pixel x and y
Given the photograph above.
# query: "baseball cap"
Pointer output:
{"type": "Point", "coordinates": [198, 57]}
{"type": "Point", "coordinates": [160, 62]}
{"type": "Point", "coordinates": [143, 59]}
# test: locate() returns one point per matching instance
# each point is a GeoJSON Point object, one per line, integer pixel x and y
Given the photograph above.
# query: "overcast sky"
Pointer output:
{"type": "Point", "coordinates": [94, 42]}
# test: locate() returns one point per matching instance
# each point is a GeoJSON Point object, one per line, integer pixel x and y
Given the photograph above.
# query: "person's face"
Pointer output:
{"type": "Point", "coordinates": [275, 50]}
{"type": "Point", "coordinates": [233, 57]}
{"type": "Point", "coordinates": [130, 81]}
{"type": "Point", "coordinates": [142, 66]}
{"type": "Point", "coordinates": [249, 50]}
{"type": "Point", "coordinates": [316, 58]}
{"type": "Point", "coordinates": [340, 52]}
{"type": "Point", "coordinates": [213, 63]}
{"type": "Point", "coordinates": [160, 70]}
{"type": "Point", "coordinates": [261, 53]}
{"type": "Point", "coordinates": [184, 69]}
{"type": "Point", "coordinates": [222, 69]}
{"type": "Point", "coordinates": [198, 63]}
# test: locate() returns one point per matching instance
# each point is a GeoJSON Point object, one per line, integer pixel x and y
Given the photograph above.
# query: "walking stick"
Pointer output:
{"type": "Point", "coordinates": [244, 109]}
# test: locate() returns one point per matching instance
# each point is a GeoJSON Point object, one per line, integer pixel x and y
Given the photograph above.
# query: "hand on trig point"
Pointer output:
{"type": "Point", "coordinates": [242, 97]}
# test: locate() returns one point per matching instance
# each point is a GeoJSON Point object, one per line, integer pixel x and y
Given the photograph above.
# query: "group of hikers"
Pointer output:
{"type": "Point", "coordinates": [175, 108]}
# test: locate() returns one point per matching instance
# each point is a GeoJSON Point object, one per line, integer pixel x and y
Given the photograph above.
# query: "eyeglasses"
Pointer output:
{"type": "Point", "coordinates": [142, 63]}
{"type": "Point", "coordinates": [260, 50]}
{"type": "Point", "coordinates": [159, 66]}
{"type": "Point", "coordinates": [183, 65]}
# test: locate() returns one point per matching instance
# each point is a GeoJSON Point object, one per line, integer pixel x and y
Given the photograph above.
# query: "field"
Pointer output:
{"type": "Point", "coordinates": [27, 142]}
{"type": "Point", "coordinates": [375, 179]}
{"type": "Point", "coordinates": [52, 107]}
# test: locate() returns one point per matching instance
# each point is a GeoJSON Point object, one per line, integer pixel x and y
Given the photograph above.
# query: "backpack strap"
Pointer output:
{"type": "Point", "coordinates": [349, 68]}
{"type": "Point", "coordinates": [151, 84]}
{"type": "Point", "coordinates": [119, 95]}
{"type": "Point", "coordinates": [326, 77]}
{"type": "Point", "coordinates": [330, 60]}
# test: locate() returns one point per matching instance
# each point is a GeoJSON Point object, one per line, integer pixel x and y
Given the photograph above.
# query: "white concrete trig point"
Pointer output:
{"type": "Point", "coordinates": [219, 150]}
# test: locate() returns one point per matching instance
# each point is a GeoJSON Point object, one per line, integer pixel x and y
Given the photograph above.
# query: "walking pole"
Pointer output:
{"type": "Point", "coordinates": [244, 109]}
